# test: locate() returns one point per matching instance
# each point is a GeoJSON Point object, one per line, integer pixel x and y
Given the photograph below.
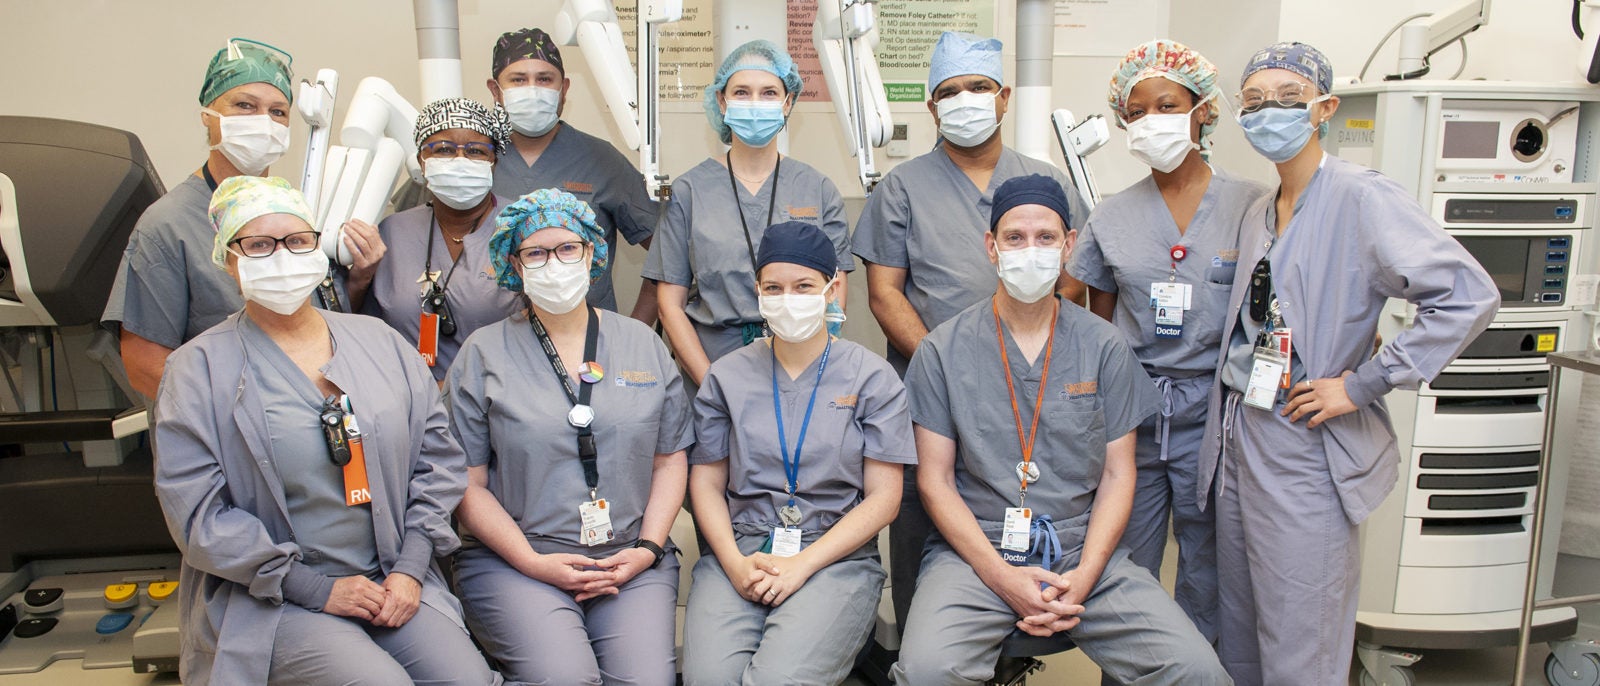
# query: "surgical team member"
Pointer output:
{"type": "Point", "coordinates": [801, 439]}
{"type": "Point", "coordinates": [1025, 409]}
{"type": "Point", "coordinates": [1295, 472]}
{"type": "Point", "coordinates": [530, 83]}
{"type": "Point", "coordinates": [167, 291]}
{"type": "Point", "coordinates": [307, 473]}
{"type": "Point", "coordinates": [920, 236]}
{"type": "Point", "coordinates": [575, 424]}
{"type": "Point", "coordinates": [1173, 236]}
{"type": "Point", "coordinates": [704, 253]}
{"type": "Point", "coordinates": [432, 280]}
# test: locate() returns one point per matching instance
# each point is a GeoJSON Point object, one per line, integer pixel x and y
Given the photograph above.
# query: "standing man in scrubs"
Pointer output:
{"type": "Point", "coordinates": [797, 469]}
{"type": "Point", "coordinates": [704, 255]}
{"type": "Point", "coordinates": [1025, 407]}
{"type": "Point", "coordinates": [1172, 237]}
{"type": "Point", "coordinates": [530, 83]}
{"type": "Point", "coordinates": [1298, 442]}
{"type": "Point", "coordinates": [919, 236]}
{"type": "Point", "coordinates": [575, 423]}
{"type": "Point", "coordinates": [167, 291]}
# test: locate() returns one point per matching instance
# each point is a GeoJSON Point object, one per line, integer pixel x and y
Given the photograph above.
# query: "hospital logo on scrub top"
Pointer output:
{"type": "Point", "coordinates": [844, 402]}
{"type": "Point", "coordinates": [1082, 389]}
{"type": "Point", "coordinates": [802, 212]}
{"type": "Point", "coordinates": [577, 187]}
{"type": "Point", "coordinates": [637, 379]}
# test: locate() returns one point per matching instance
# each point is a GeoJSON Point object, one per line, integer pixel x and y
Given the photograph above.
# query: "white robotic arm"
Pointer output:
{"type": "Point", "coordinates": [315, 102]}
{"type": "Point", "coordinates": [376, 144]}
{"type": "Point", "coordinates": [845, 33]}
{"type": "Point", "coordinates": [592, 25]}
{"type": "Point", "coordinates": [1078, 140]}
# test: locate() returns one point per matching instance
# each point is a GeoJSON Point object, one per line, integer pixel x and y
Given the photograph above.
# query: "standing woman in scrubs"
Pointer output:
{"type": "Point", "coordinates": [1174, 232]}
{"type": "Point", "coordinates": [307, 552]}
{"type": "Point", "coordinates": [704, 252]}
{"type": "Point", "coordinates": [801, 440]}
{"type": "Point", "coordinates": [575, 423]}
{"type": "Point", "coordinates": [1298, 466]}
{"type": "Point", "coordinates": [433, 282]}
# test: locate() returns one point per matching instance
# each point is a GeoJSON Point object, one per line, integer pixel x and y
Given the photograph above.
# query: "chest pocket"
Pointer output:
{"type": "Point", "coordinates": [1220, 275]}
{"type": "Point", "coordinates": [1078, 440]}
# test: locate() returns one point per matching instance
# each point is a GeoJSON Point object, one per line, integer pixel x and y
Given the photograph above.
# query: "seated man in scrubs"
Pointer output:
{"type": "Point", "coordinates": [917, 235]}
{"type": "Point", "coordinates": [167, 291]}
{"type": "Point", "coordinates": [1025, 409]}
{"type": "Point", "coordinates": [801, 439]}
{"type": "Point", "coordinates": [530, 83]}
{"type": "Point", "coordinates": [306, 470]}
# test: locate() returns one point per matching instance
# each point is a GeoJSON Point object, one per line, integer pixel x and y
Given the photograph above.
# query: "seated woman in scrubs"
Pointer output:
{"type": "Point", "coordinates": [432, 281]}
{"type": "Point", "coordinates": [1177, 232]}
{"type": "Point", "coordinates": [800, 443]}
{"type": "Point", "coordinates": [1299, 444]}
{"type": "Point", "coordinates": [704, 251]}
{"type": "Point", "coordinates": [307, 473]}
{"type": "Point", "coordinates": [575, 424]}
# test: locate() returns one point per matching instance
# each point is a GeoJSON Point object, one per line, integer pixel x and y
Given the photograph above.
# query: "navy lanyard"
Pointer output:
{"type": "Point", "coordinates": [791, 468]}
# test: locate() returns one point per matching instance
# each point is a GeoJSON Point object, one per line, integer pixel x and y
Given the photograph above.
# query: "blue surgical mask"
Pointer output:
{"type": "Point", "coordinates": [1280, 133]}
{"type": "Point", "coordinates": [754, 122]}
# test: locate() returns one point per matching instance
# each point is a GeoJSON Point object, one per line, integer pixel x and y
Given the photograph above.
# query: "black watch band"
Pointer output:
{"type": "Point", "coordinates": [654, 550]}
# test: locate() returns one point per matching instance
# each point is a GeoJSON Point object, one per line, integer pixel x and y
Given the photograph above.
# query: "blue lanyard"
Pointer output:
{"type": "Point", "coordinates": [791, 469]}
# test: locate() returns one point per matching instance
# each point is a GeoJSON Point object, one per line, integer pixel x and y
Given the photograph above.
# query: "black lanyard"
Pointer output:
{"type": "Point", "coordinates": [205, 171]}
{"type": "Point", "coordinates": [771, 204]}
{"type": "Point", "coordinates": [579, 399]}
{"type": "Point", "coordinates": [435, 299]}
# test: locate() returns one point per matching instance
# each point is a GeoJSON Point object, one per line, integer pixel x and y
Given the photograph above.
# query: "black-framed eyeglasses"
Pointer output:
{"type": "Point", "coordinates": [570, 252]}
{"type": "Point", "coordinates": [1290, 96]}
{"type": "Point", "coordinates": [439, 150]}
{"type": "Point", "coordinates": [299, 243]}
{"type": "Point", "coordinates": [1261, 290]}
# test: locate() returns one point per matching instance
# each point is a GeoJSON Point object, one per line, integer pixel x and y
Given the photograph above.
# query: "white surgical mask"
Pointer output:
{"type": "Point", "coordinates": [557, 287]}
{"type": "Point", "coordinates": [282, 281]}
{"type": "Point", "coordinates": [252, 142]}
{"type": "Point", "coordinates": [459, 182]}
{"type": "Point", "coordinates": [1030, 274]}
{"type": "Point", "coordinates": [794, 317]}
{"type": "Point", "coordinates": [533, 110]}
{"type": "Point", "coordinates": [1162, 141]}
{"type": "Point", "coordinates": [967, 118]}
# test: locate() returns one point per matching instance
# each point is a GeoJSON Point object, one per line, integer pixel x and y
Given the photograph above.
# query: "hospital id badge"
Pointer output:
{"type": "Point", "coordinates": [1269, 367]}
{"type": "Point", "coordinates": [1169, 322]}
{"type": "Point", "coordinates": [594, 517]}
{"type": "Point", "coordinates": [428, 337]}
{"type": "Point", "coordinates": [785, 541]}
{"type": "Point", "coordinates": [1014, 532]}
{"type": "Point", "coordinates": [1169, 294]}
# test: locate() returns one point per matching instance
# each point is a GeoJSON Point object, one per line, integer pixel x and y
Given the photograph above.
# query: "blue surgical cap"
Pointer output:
{"type": "Point", "coordinates": [799, 243]}
{"type": "Point", "coordinates": [1299, 58]}
{"type": "Point", "coordinates": [961, 54]}
{"type": "Point", "coordinates": [1033, 189]}
{"type": "Point", "coordinates": [760, 55]}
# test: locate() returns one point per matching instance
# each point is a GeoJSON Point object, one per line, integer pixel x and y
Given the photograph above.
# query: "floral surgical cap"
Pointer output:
{"type": "Point", "coordinates": [240, 199]}
{"type": "Point", "coordinates": [461, 113]}
{"type": "Point", "coordinates": [1172, 61]}
{"type": "Point", "coordinates": [546, 208]}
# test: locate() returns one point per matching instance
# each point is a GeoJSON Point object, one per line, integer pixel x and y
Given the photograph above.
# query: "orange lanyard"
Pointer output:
{"type": "Point", "coordinates": [1025, 443]}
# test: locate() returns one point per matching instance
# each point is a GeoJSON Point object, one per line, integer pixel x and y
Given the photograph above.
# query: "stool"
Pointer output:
{"type": "Point", "coordinates": [1019, 654]}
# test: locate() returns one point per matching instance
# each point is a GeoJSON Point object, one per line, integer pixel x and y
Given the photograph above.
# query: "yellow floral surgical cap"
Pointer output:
{"type": "Point", "coordinates": [239, 199]}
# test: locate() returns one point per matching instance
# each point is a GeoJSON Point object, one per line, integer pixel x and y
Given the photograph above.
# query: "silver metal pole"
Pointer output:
{"type": "Point", "coordinates": [1540, 497]}
{"type": "Point", "coordinates": [1036, 22]}
{"type": "Point", "coordinates": [438, 48]}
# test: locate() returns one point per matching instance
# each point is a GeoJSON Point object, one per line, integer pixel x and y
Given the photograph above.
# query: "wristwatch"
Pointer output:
{"type": "Point", "coordinates": [654, 550]}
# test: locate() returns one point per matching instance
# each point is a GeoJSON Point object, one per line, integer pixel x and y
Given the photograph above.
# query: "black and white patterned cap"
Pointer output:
{"type": "Point", "coordinates": [461, 113]}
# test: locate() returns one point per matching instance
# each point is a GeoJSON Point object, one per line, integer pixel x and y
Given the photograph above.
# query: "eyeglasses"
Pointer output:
{"type": "Point", "coordinates": [298, 243]}
{"type": "Point", "coordinates": [1290, 96]}
{"type": "Point", "coordinates": [1261, 290]}
{"type": "Point", "coordinates": [283, 59]}
{"type": "Point", "coordinates": [567, 253]}
{"type": "Point", "coordinates": [445, 149]}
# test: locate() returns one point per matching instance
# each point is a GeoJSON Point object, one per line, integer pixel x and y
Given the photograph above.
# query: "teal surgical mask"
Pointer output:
{"type": "Point", "coordinates": [755, 122]}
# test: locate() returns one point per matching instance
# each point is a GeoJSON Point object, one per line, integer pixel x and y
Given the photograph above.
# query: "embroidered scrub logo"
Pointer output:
{"type": "Point", "coordinates": [802, 212]}
{"type": "Point", "coordinates": [578, 187]}
{"type": "Point", "coordinates": [1082, 389]}
{"type": "Point", "coordinates": [844, 402]}
{"type": "Point", "coordinates": [637, 379]}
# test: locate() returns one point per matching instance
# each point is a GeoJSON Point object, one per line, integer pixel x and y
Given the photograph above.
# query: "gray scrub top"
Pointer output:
{"type": "Point", "coordinates": [1241, 350]}
{"type": "Point", "coordinates": [1096, 393]}
{"type": "Point", "coordinates": [860, 413]}
{"type": "Point", "coordinates": [928, 218]}
{"type": "Point", "coordinates": [510, 413]}
{"type": "Point", "coordinates": [335, 540]}
{"type": "Point", "coordinates": [700, 245]}
{"type": "Point", "coordinates": [594, 171]}
{"type": "Point", "coordinates": [167, 288]}
{"type": "Point", "coordinates": [474, 297]}
{"type": "Point", "coordinates": [1126, 246]}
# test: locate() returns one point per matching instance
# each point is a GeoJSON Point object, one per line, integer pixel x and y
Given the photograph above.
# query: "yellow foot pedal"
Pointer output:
{"type": "Point", "coordinates": [160, 591]}
{"type": "Point", "coordinates": [122, 596]}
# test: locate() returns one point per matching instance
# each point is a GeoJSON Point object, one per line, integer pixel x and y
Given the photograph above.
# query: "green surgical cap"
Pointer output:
{"type": "Point", "coordinates": [246, 61]}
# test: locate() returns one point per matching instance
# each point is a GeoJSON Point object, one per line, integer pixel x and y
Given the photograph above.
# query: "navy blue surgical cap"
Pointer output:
{"type": "Point", "coordinates": [798, 243]}
{"type": "Point", "coordinates": [1033, 189]}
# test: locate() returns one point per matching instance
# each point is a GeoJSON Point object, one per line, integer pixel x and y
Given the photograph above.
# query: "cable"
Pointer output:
{"type": "Point", "coordinates": [1385, 39]}
{"type": "Point", "coordinates": [1463, 67]}
{"type": "Point", "coordinates": [1577, 18]}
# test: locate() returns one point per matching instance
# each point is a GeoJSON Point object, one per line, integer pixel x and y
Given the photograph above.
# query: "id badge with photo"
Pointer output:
{"type": "Point", "coordinates": [1265, 377]}
{"type": "Point", "coordinates": [785, 541]}
{"type": "Point", "coordinates": [1017, 526]}
{"type": "Point", "coordinates": [595, 521]}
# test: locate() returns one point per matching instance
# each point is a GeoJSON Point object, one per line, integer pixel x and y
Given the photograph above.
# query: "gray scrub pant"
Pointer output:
{"type": "Point", "coordinates": [1169, 485]}
{"type": "Point", "coordinates": [812, 638]}
{"type": "Point", "coordinates": [539, 635]}
{"type": "Point", "coordinates": [1288, 555]}
{"type": "Point", "coordinates": [430, 650]}
{"type": "Point", "coordinates": [1129, 627]}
